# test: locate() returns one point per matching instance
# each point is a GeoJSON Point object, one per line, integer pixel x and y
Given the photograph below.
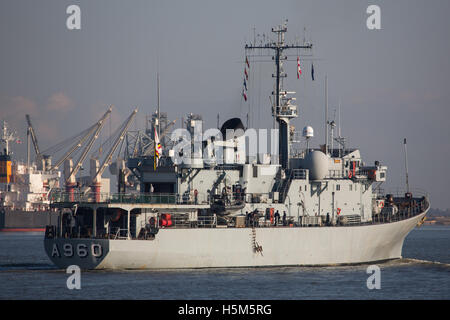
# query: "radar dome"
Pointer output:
{"type": "Point", "coordinates": [308, 132]}
{"type": "Point", "coordinates": [317, 164]}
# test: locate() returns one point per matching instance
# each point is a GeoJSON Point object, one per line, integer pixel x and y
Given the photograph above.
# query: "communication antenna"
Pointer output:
{"type": "Point", "coordinates": [406, 166]}
{"type": "Point", "coordinates": [326, 114]}
{"type": "Point", "coordinates": [339, 139]}
{"type": "Point", "coordinates": [332, 125]}
{"type": "Point", "coordinates": [339, 117]}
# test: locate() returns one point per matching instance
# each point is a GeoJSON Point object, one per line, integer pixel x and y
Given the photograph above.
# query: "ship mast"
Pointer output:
{"type": "Point", "coordinates": [282, 110]}
{"type": "Point", "coordinates": [159, 119]}
{"type": "Point", "coordinates": [406, 166]}
{"type": "Point", "coordinates": [6, 136]}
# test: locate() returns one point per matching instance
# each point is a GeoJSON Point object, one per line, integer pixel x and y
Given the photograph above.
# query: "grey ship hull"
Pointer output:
{"type": "Point", "coordinates": [18, 220]}
{"type": "Point", "coordinates": [234, 247]}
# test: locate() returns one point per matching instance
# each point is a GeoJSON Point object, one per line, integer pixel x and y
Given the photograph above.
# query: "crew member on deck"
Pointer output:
{"type": "Point", "coordinates": [277, 218]}
{"type": "Point", "coordinates": [196, 196]}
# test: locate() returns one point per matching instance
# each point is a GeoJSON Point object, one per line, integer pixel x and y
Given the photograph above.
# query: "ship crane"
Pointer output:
{"type": "Point", "coordinates": [42, 160]}
{"type": "Point", "coordinates": [75, 147]}
{"type": "Point", "coordinates": [70, 177]}
{"type": "Point", "coordinates": [40, 155]}
{"type": "Point", "coordinates": [96, 180]}
{"type": "Point", "coordinates": [32, 134]}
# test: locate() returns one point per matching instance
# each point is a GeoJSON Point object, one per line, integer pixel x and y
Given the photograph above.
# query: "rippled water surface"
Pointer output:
{"type": "Point", "coordinates": [423, 273]}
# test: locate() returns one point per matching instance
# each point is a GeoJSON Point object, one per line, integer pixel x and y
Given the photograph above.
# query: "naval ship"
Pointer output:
{"type": "Point", "coordinates": [207, 201]}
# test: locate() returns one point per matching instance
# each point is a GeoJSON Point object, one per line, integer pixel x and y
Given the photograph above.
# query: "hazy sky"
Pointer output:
{"type": "Point", "coordinates": [393, 82]}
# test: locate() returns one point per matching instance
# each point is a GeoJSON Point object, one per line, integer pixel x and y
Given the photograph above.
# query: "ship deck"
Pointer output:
{"type": "Point", "coordinates": [407, 208]}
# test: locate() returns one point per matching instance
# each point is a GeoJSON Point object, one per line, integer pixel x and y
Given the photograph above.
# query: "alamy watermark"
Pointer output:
{"type": "Point", "coordinates": [374, 281]}
{"type": "Point", "coordinates": [239, 146]}
{"type": "Point", "coordinates": [373, 22]}
{"type": "Point", "coordinates": [74, 280]}
{"type": "Point", "coordinates": [73, 21]}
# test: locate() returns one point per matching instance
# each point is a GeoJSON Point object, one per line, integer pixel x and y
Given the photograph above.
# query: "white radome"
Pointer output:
{"type": "Point", "coordinates": [308, 132]}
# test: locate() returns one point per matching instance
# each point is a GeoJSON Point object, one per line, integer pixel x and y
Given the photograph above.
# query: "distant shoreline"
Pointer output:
{"type": "Point", "coordinates": [437, 220]}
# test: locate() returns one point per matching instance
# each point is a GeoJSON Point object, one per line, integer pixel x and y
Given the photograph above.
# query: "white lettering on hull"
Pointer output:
{"type": "Point", "coordinates": [96, 250]}
{"type": "Point", "coordinates": [55, 251]}
{"type": "Point", "coordinates": [68, 250]}
{"type": "Point", "coordinates": [82, 250]}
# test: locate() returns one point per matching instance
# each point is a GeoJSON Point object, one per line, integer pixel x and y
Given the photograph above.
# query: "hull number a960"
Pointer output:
{"type": "Point", "coordinates": [81, 250]}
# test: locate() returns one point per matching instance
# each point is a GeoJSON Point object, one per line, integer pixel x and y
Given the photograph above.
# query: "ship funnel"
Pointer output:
{"type": "Point", "coordinates": [317, 164]}
{"type": "Point", "coordinates": [232, 124]}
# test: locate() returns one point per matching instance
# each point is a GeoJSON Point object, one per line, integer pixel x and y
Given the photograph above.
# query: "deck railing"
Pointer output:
{"type": "Point", "coordinates": [387, 215]}
{"type": "Point", "coordinates": [156, 198]}
{"type": "Point", "coordinates": [405, 207]}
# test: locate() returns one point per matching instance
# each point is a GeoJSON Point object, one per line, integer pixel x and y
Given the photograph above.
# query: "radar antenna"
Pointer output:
{"type": "Point", "coordinates": [282, 110]}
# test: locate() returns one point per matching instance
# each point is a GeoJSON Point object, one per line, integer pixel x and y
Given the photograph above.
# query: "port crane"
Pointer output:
{"type": "Point", "coordinates": [31, 134]}
{"type": "Point", "coordinates": [71, 171]}
{"type": "Point", "coordinates": [46, 154]}
{"type": "Point", "coordinates": [42, 160]}
{"type": "Point", "coordinates": [84, 136]}
{"type": "Point", "coordinates": [96, 179]}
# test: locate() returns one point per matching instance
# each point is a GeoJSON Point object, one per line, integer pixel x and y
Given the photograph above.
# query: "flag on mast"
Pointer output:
{"type": "Point", "coordinates": [158, 150]}
{"type": "Point", "coordinates": [245, 85]}
{"type": "Point", "coordinates": [246, 74]}
{"type": "Point", "coordinates": [245, 95]}
{"type": "Point", "coordinates": [246, 61]}
{"type": "Point", "coordinates": [312, 72]}
{"type": "Point", "coordinates": [299, 71]}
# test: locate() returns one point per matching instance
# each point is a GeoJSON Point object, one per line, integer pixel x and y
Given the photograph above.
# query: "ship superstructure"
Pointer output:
{"type": "Point", "coordinates": [23, 187]}
{"type": "Point", "coordinates": [209, 201]}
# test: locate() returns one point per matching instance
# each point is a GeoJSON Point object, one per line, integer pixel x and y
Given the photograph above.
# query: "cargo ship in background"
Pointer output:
{"type": "Point", "coordinates": [24, 190]}
{"type": "Point", "coordinates": [25, 187]}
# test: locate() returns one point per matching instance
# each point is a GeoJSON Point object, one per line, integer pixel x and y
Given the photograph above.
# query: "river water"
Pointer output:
{"type": "Point", "coordinates": [423, 273]}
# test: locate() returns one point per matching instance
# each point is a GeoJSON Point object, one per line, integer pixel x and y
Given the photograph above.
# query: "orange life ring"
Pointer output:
{"type": "Point", "coordinates": [338, 211]}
